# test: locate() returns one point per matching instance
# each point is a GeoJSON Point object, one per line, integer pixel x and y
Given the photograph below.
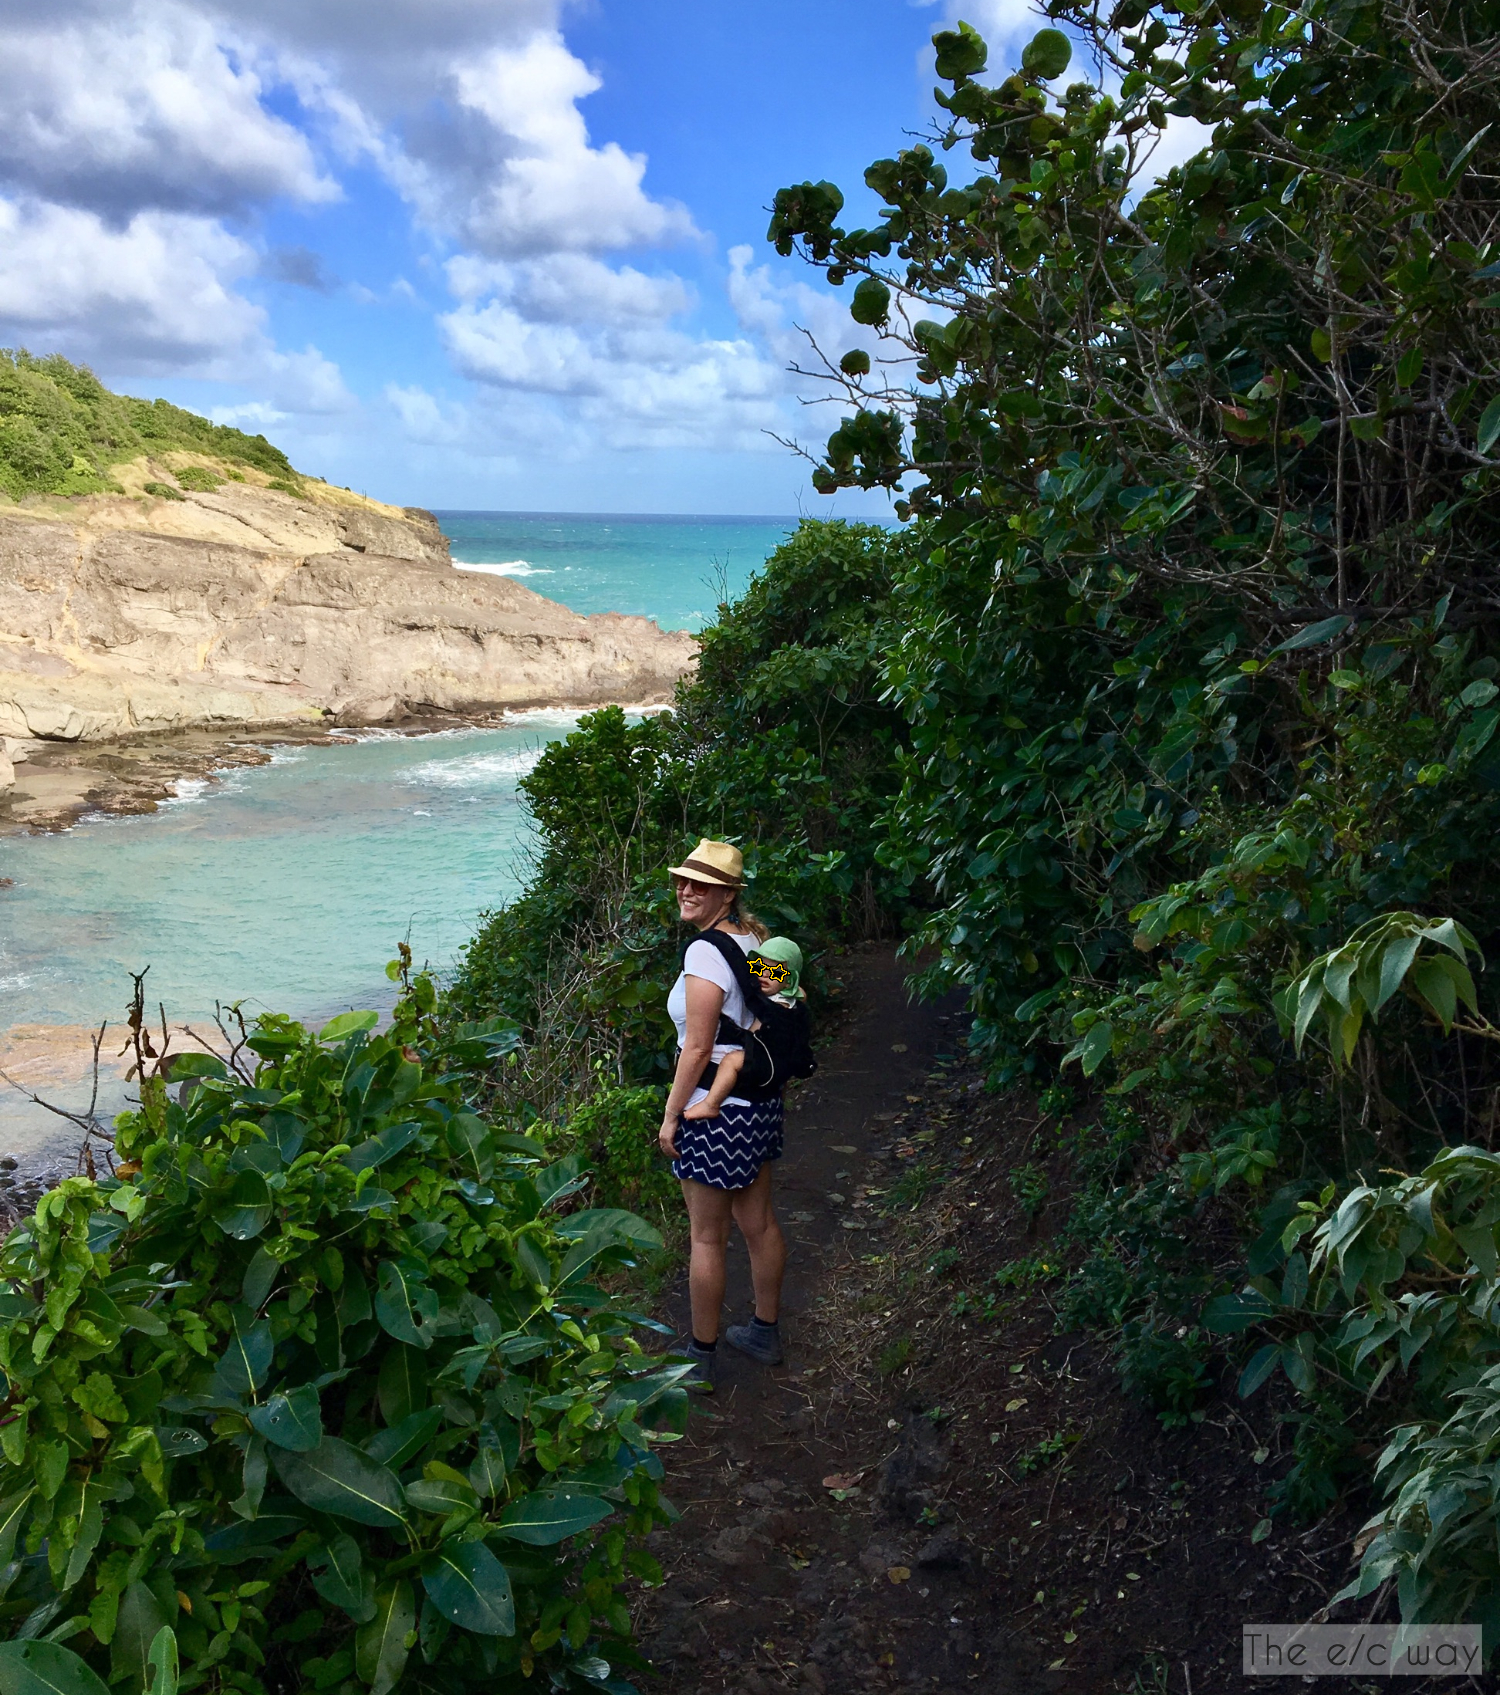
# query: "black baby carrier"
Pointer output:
{"type": "Point", "coordinates": [779, 1050]}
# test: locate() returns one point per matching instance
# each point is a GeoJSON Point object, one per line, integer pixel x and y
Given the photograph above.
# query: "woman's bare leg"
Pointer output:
{"type": "Point", "coordinates": [756, 1217]}
{"type": "Point", "coordinates": [709, 1212]}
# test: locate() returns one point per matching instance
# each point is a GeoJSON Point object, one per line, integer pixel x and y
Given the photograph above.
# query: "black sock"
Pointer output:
{"type": "Point", "coordinates": [706, 1347]}
{"type": "Point", "coordinates": [762, 1323]}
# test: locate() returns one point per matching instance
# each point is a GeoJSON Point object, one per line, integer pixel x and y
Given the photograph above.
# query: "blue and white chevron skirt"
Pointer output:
{"type": "Point", "coordinates": [726, 1152]}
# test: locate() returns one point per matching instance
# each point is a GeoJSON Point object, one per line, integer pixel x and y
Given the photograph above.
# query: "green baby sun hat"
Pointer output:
{"type": "Point", "coordinates": [785, 952]}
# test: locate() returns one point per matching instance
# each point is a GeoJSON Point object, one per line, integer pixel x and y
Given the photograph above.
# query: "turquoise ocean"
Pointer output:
{"type": "Point", "coordinates": [289, 885]}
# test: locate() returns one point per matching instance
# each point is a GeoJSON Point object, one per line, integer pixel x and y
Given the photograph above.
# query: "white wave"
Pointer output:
{"type": "Point", "coordinates": [187, 791]}
{"type": "Point", "coordinates": [474, 770]}
{"type": "Point", "coordinates": [503, 567]}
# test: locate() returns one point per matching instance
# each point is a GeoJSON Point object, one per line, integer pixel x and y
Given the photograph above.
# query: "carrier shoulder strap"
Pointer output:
{"type": "Point", "coordinates": [734, 957]}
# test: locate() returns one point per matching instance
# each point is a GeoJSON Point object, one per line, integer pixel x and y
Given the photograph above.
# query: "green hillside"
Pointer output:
{"type": "Point", "coordinates": [61, 430]}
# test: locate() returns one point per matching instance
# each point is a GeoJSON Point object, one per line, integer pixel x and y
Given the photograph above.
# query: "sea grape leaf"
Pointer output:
{"type": "Point", "coordinates": [185, 1065]}
{"type": "Point", "coordinates": [162, 1663]}
{"type": "Point", "coordinates": [338, 1478]}
{"type": "Point", "coordinates": [442, 1495]}
{"type": "Point", "coordinates": [244, 1363]}
{"type": "Point", "coordinates": [291, 1420]}
{"type": "Point", "coordinates": [613, 1222]}
{"type": "Point", "coordinates": [339, 1576]}
{"type": "Point", "coordinates": [45, 1668]}
{"type": "Point", "coordinates": [352, 1302]}
{"type": "Point", "coordinates": [1047, 54]}
{"type": "Point", "coordinates": [406, 1308]}
{"type": "Point", "coordinates": [384, 1145]}
{"type": "Point", "coordinates": [402, 1384]}
{"type": "Point", "coordinates": [347, 1024]}
{"type": "Point", "coordinates": [284, 1133]}
{"type": "Point", "coordinates": [178, 1439]}
{"type": "Point", "coordinates": [259, 1280]}
{"type": "Point", "coordinates": [470, 1143]}
{"type": "Point", "coordinates": [140, 1617]}
{"type": "Point", "coordinates": [487, 1473]}
{"type": "Point", "coordinates": [396, 1445]}
{"type": "Point", "coordinates": [427, 1236]}
{"type": "Point", "coordinates": [470, 1587]}
{"type": "Point", "coordinates": [380, 1646]}
{"type": "Point", "coordinates": [559, 1180]}
{"type": "Point", "coordinates": [545, 1517]}
{"type": "Point", "coordinates": [254, 1538]}
{"type": "Point", "coordinates": [248, 1210]}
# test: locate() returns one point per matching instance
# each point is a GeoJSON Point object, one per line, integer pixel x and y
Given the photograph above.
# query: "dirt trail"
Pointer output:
{"type": "Point", "coordinates": [942, 1490]}
{"type": "Point", "coordinates": [774, 1582]}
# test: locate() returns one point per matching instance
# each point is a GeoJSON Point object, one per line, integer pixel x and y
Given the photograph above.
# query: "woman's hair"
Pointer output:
{"type": "Point", "coordinates": [747, 920]}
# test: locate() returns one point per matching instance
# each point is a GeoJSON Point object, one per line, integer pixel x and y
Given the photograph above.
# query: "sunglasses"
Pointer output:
{"type": "Point", "coordinates": [772, 968]}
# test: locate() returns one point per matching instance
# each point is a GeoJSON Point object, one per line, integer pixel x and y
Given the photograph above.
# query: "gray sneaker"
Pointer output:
{"type": "Point", "coordinates": [761, 1342]}
{"type": "Point", "coordinates": [703, 1380]}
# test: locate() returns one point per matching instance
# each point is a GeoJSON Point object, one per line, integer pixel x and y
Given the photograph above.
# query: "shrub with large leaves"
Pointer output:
{"type": "Point", "coordinates": [318, 1390]}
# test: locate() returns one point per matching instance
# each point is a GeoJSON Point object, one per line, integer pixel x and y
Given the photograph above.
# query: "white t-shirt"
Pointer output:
{"type": "Point", "coordinates": [703, 959]}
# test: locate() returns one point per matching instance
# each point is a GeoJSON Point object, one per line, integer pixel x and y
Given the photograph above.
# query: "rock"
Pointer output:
{"type": "Point", "coordinates": [250, 607]}
{"type": "Point", "coordinates": [919, 1460]}
{"type": "Point", "coordinates": [7, 774]}
{"type": "Point", "coordinates": [878, 1558]}
{"type": "Point", "coordinates": [764, 1493]}
{"type": "Point", "coordinates": [946, 1551]}
{"type": "Point", "coordinates": [9, 1163]}
{"type": "Point", "coordinates": [741, 1543]}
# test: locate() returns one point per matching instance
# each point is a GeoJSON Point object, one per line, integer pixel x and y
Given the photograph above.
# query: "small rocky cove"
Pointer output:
{"type": "Point", "coordinates": [150, 631]}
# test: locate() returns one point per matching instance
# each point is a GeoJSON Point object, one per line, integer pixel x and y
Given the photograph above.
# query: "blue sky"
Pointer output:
{"type": "Point", "coordinates": [499, 254]}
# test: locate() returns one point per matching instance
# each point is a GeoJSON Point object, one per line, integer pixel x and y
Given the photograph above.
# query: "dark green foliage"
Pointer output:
{"type": "Point", "coordinates": [61, 430]}
{"type": "Point", "coordinates": [781, 743]}
{"type": "Point", "coordinates": [321, 1374]}
{"type": "Point", "coordinates": [1196, 649]}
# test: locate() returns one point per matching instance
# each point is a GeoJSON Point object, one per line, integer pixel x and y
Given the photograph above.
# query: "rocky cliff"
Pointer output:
{"type": "Point", "coordinates": [246, 605]}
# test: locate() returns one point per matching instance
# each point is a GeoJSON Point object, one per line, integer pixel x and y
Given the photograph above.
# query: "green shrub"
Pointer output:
{"type": "Point", "coordinates": [1167, 1366]}
{"type": "Point", "coordinates": [164, 491]}
{"type": "Point", "coordinates": [200, 479]}
{"type": "Point", "coordinates": [318, 1385]}
{"type": "Point", "coordinates": [617, 1128]}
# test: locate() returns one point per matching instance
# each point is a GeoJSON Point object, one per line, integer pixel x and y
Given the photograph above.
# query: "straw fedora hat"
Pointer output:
{"type": "Point", "coordinates": [712, 862]}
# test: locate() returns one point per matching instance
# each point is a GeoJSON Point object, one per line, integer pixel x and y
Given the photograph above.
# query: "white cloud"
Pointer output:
{"type": "Point", "coordinates": [571, 288]}
{"type": "Point", "coordinates": [304, 382]}
{"type": "Point", "coordinates": [425, 420]}
{"type": "Point", "coordinates": [155, 292]}
{"type": "Point", "coordinates": [149, 109]}
{"type": "Point", "coordinates": [504, 161]}
{"type": "Point", "coordinates": [154, 295]}
{"type": "Point", "coordinates": [649, 385]}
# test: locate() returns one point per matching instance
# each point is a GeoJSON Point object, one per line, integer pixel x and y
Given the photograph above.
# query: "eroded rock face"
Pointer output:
{"type": "Point", "coordinates": [247, 606]}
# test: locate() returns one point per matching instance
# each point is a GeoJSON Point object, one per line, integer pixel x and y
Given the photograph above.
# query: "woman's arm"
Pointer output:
{"type": "Point", "coordinates": [705, 1001]}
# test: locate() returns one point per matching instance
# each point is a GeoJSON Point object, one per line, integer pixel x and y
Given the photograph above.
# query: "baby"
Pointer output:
{"type": "Point", "coordinates": [780, 975]}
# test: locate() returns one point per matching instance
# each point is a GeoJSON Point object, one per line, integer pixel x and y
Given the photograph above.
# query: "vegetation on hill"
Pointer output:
{"type": "Point", "coordinates": [61, 431]}
{"type": "Point", "coordinates": [1168, 724]}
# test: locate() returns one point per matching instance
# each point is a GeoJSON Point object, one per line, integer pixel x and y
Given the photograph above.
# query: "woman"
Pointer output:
{"type": "Point", "coordinates": [723, 1163]}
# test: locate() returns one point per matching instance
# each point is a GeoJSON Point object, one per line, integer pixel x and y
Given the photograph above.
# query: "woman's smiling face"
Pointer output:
{"type": "Point", "coordinates": [702, 904]}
